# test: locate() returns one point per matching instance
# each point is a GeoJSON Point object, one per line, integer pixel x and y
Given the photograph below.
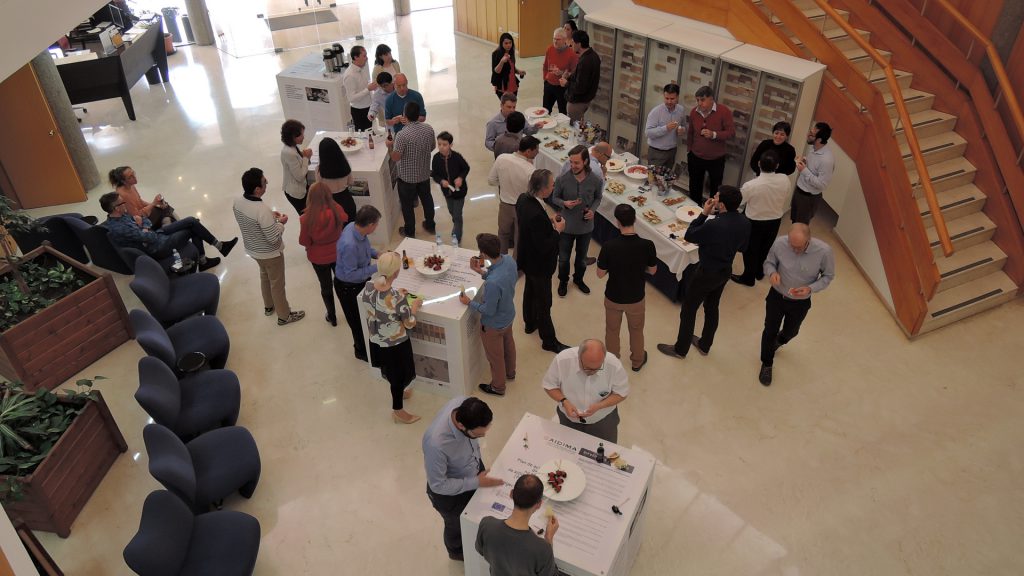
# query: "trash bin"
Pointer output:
{"type": "Point", "coordinates": [171, 22]}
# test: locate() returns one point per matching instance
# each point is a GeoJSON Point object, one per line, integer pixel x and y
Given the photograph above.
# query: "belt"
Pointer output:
{"type": "Point", "coordinates": [660, 149]}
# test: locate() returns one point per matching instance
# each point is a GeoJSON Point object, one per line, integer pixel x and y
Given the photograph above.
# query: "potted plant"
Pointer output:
{"type": "Point", "coordinates": [54, 451]}
{"type": "Point", "coordinates": [56, 316]}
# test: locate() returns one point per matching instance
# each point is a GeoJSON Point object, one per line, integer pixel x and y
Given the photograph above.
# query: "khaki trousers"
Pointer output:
{"type": "Point", "coordinates": [500, 349]}
{"type": "Point", "coordinates": [506, 226]}
{"type": "Point", "coordinates": [634, 323]}
{"type": "Point", "coordinates": [272, 285]}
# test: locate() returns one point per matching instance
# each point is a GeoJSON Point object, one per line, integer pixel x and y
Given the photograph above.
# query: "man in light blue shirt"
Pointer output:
{"type": "Point", "coordinates": [814, 172]}
{"type": "Point", "coordinates": [497, 310]}
{"type": "Point", "coordinates": [665, 125]}
{"type": "Point", "coordinates": [455, 469]}
{"type": "Point", "coordinates": [352, 269]}
{"type": "Point", "coordinates": [496, 126]}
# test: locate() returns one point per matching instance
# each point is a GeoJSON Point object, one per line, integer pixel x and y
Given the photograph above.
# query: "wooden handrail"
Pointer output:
{"type": "Point", "coordinates": [995, 61]}
{"type": "Point", "coordinates": [908, 127]}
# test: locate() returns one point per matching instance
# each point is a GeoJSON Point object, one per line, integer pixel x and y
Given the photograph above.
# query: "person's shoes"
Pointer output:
{"type": "Point", "coordinates": [331, 321]}
{"type": "Point", "coordinates": [563, 289]}
{"type": "Point", "coordinates": [225, 247]}
{"type": "Point", "coordinates": [208, 263]}
{"type": "Point", "coordinates": [670, 350]}
{"type": "Point", "coordinates": [590, 260]}
{"type": "Point", "coordinates": [404, 419]}
{"type": "Point", "coordinates": [361, 356]}
{"type": "Point", "coordinates": [488, 389]}
{"type": "Point", "coordinates": [457, 556]}
{"type": "Point", "coordinates": [531, 329]}
{"type": "Point", "coordinates": [429, 227]}
{"type": "Point", "coordinates": [556, 348]}
{"type": "Point", "coordinates": [695, 341]}
{"type": "Point", "coordinates": [583, 287]}
{"type": "Point", "coordinates": [90, 220]}
{"type": "Point", "coordinates": [293, 317]}
{"type": "Point", "coordinates": [401, 232]}
{"type": "Point", "coordinates": [268, 311]}
{"type": "Point", "coordinates": [642, 364]}
{"type": "Point", "coordinates": [765, 376]}
{"type": "Point", "coordinates": [739, 280]}
{"type": "Point", "coordinates": [759, 277]}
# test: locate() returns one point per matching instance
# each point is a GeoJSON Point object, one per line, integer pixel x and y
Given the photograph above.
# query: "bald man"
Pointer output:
{"type": "Point", "coordinates": [394, 106]}
{"type": "Point", "coordinates": [797, 266]}
{"type": "Point", "coordinates": [588, 384]}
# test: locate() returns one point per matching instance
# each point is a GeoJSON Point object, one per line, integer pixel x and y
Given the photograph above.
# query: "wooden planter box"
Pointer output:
{"type": "Point", "coordinates": [54, 494]}
{"type": "Point", "coordinates": [48, 348]}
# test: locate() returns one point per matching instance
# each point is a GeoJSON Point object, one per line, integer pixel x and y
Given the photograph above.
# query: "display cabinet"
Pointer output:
{"type": "Point", "coordinates": [664, 61]}
{"type": "Point", "coordinates": [776, 103]}
{"type": "Point", "coordinates": [627, 92]}
{"type": "Point", "coordinates": [738, 89]}
{"type": "Point", "coordinates": [602, 42]}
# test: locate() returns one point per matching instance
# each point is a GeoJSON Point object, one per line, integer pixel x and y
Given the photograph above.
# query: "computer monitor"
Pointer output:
{"type": "Point", "coordinates": [117, 17]}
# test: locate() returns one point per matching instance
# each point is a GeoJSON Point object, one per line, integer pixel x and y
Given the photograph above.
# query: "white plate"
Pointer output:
{"type": "Point", "coordinates": [546, 123]}
{"type": "Point", "coordinates": [348, 149]}
{"type": "Point", "coordinates": [423, 269]}
{"type": "Point", "coordinates": [683, 213]}
{"type": "Point", "coordinates": [638, 174]}
{"type": "Point", "coordinates": [614, 165]}
{"type": "Point", "coordinates": [573, 485]}
{"type": "Point", "coordinates": [536, 112]}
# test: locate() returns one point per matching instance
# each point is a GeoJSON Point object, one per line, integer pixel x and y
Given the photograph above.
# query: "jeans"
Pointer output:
{"type": "Point", "coordinates": [762, 236]}
{"type": "Point", "coordinates": [698, 167]}
{"type": "Point", "coordinates": [554, 95]}
{"type": "Point", "coordinates": [348, 294]}
{"type": "Point", "coordinates": [537, 307]}
{"type": "Point", "coordinates": [778, 309]}
{"type": "Point", "coordinates": [455, 209]}
{"type": "Point", "coordinates": [185, 230]}
{"type": "Point", "coordinates": [407, 194]}
{"type": "Point", "coordinates": [565, 244]}
{"type": "Point", "coordinates": [705, 289]}
{"type": "Point", "coordinates": [325, 275]}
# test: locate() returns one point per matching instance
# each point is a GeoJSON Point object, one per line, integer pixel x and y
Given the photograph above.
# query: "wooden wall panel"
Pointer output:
{"type": "Point", "coordinates": [492, 21]}
{"type": "Point", "coordinates": [512, 7]}
{"type": "Point", "coordinates": [983, 15]}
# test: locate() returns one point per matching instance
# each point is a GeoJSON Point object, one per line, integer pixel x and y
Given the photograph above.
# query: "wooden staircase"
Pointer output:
{"type": "Point", "coordinates": [972, 278]}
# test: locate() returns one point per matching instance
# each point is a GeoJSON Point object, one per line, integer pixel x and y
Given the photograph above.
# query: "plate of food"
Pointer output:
{"type": "Point", "coordinates": [432, 265]}
{"type": "Point", "coordinates": [555, 145]}
{"type": "Point", "coordinates": [674, 201]}
{"type": "Point", "coordinates": [564, 132]}
{"type": "Point", "coordinates": [651, 216]}
{"type": "Point", "coordinates": [350, 144]}
{"type": "Point", "coordinates": [615, 187]}
{"type": "Point", "coordinates": [537, 112]}
{"type": "Point", "coordinates": [563, 480]}
{"type": "Point", "coordinates": [545, 123]}
{"type": "Point", "coordinates": [637, 172]}
{"type": "Point", "coordinates": [688, 213]}
{"type": "Point", "coordinates": [614, 165]}
{"type": "Point", "coordinates": [639, 200]}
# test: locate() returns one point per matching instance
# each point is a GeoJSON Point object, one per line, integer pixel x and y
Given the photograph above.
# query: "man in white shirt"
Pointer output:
{"type": "Point", "coordinates": [814, 172]}
{"type": "Point", "coordinates": [666, 124]}
{"type": "Point", "coordinates": [588, 383]}
{"type": "Point", "coordinates": [511, 174]}
{"type": "Point", "coordinates": [359, 88]}
{"type": "Point", "coordinates": [765, 199]}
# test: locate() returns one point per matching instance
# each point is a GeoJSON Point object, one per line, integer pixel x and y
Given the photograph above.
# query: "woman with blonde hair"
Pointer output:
{"type": "Point", "coordinates": [320, 227]}
{"type": "Point", "coordinates": [389, 317]}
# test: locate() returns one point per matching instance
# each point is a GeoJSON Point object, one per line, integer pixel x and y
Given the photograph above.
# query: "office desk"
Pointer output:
{"type": "Point", "coordinates": [113, 75]}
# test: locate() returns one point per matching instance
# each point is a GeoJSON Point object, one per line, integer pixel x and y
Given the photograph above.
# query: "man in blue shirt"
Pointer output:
{"type": "Point", "coordinates": [455, 469]}
{"type": "Point", "coordinates": [394, 106]}
{"type": "Point", "coordinates": [497, 310]}
{"type": "Point", "coordinates": [137, 232]}
{"type": "Point", "coordinates": [665, 125]}
{"type": "Point", "coordinates": [352, 269]}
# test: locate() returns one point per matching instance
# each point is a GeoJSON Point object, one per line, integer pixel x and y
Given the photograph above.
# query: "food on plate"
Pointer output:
{"type": "Point", "coordinates": [556, 479]}
{"type": "Point", "coordinates": [614, 165]}
{"type": "Point", "coordinates": [677, 227]}
{"type": "Point", "coordinates": [546, 123]}
{"type": "Point", "coordinates": [651, 216]}
{"type": "Point", "coordinates": [564, 132]}
{"type": "Point", "coordinates": [637, 170]}
{"type": "Point", "coordinates": [349, 142]}
{"type": "Point", "coordinates": [674, 201]}
{"type": "Point", "coordinates": [433, 262]}
{"type": "Point", "coordinates": [538, 112]}
{"type": "Point", "coordinates": [620, 463]}
{"type": "Point", "coordinates": [613, 456]}
{"type": "Point", "coordinates": [638, 200]}
{"type": "Point", "coordinates": [555, 145]}
{"type": "Point", "coordinates": [616, 187]}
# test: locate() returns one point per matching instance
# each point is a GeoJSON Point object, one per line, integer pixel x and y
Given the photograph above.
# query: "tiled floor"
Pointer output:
{"type": "Point", "coordinates": [869, 455]}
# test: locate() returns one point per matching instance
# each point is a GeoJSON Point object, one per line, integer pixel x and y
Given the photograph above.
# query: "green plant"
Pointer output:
{"type": "Point", "coordinates": [13, 220]}
{"type": "Point", "coordinates": [31, 424]}
{"type": "Point", "coordinates": [44, 285]}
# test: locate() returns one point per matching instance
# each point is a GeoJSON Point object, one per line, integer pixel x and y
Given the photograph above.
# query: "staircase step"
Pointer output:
{"type": "Point", "coordinates": [877, 77]}
{"type": "Point", "coordinates": [862, 61]}
{"type": "Point", "coordinates": [968, 299]}
{"type": "Point", "coordinates": [839, 38]}
{"type": "Point", "coordinates": [816, 16]}
{"type": "Point", "coordinates": [955, 203]}
{"type": "Point", "coordinates": [935, 149]}
{"type": "Point", "coordinates": [969, 264]}
{"type": "Point", "coordinates": [965, 232]}
{"type": "Point", "coordinates": [916, 101]}
{"type": "Point", "coordinates": [928, 123]}
{"type": "Point", "coordinates": [944, 175]}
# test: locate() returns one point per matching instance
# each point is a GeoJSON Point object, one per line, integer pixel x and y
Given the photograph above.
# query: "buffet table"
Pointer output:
{"type": "Point", "coordinates": [371, 180]}
{"type": "Point", "coordinates": [591, 539]}
{"type": "Point", "coordinates": [446, 340]}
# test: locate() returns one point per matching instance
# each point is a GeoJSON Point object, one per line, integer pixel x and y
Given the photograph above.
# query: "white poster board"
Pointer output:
{"type": "Point", "coordinates": [312, 97]}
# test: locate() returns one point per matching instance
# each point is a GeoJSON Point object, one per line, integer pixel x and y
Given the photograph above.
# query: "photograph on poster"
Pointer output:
{"type": "Point", "coordinates": [318, 95]}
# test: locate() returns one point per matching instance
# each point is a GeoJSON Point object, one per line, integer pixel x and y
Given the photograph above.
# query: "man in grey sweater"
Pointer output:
{"type": "Point", "coordinates": [578, 194]}
{"type": "Point", "coordinates": [509, 546]}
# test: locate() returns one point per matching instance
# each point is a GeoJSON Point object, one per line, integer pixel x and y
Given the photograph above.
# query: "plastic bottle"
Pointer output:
{"type": "Point", "coordinates": [440, 244]}
{"type": "Point", "coordinates": [178, 265]}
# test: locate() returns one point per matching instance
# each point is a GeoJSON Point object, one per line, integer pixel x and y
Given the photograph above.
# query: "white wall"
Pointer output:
{"type": "Point", "coordinates": [845, 195]}
{"type": "Point", "coordinates": [28, 27]}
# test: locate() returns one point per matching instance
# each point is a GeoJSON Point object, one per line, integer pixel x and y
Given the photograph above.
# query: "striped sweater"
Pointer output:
{"type": "Point", "coordinates": [261, 233]}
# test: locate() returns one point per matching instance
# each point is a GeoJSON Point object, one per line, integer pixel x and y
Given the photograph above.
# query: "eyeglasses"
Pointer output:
{"type": "Point", "coordinates": [591, 371]}
{"type": "Point", "coordinates": [118, 205]}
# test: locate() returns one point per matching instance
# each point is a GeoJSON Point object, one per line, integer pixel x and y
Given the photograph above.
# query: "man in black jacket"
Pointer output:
{"type": "Point", "coordinates": [717, 241]}
{"type": "Point", "coordinates": [582, 85]}
{"type": "Point", "coordinates": [538, 256]}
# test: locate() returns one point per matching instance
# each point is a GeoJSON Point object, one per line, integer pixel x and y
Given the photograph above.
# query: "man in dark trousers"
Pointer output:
{"type": "Point", "coordinates": [539, 228]}
{"type": "Point", "coordinates": [582, 85]}
{"type": "Point", "coordinates": [717, 241]}
{"type": "Point", "coordinates": [710, 127]}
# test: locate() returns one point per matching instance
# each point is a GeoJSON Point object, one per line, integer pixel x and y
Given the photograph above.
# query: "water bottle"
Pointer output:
{"type": "Point", "coordinates": [177, 260]}
{"type": "Point", "coordinates": [440, 244]}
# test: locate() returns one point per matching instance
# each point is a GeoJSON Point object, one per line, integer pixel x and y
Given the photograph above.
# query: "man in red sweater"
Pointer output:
{"type": "Point", "coordinates": [710, 126]}
{"type": "Point", "coordinates": [559, 62]}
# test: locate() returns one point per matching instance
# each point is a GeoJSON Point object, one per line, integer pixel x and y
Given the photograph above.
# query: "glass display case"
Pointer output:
{"type": "Point", "coordinates": [738, 89]}
{"type": "Point", "coordinates": [698, 70]}
{"type": "Point", "coordinates": [664, 61]}
{"type": "Point", "coordinates": [602, 42]}
{"type": "Point", "coordinates": [777, 102]}
{"type": "Point", "coordinates": [627, 92]}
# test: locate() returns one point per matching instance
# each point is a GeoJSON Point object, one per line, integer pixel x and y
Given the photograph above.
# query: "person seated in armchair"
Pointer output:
{"type": "Point", "coordinates": [129, 231]}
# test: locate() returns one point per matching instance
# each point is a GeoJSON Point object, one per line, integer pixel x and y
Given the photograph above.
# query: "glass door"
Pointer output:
{"type": "Point", "coordinates": [776, 103]}
{"type": "Point", "coordinates": [628, 91]}
{"type": "Point", "coordinates": [664, 63]}
{"type": "Point", "coordinates": [738, 90]}
{"type": "Point", "coordinates": [602, 42]}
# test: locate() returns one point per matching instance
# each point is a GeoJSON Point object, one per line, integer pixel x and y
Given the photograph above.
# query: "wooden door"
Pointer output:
{"type": "Point", "coordinates": [542, 17]}
{"type": "Point", "coordinates": [33, 154]}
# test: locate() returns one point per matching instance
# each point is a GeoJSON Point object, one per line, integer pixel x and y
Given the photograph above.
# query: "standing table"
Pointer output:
{"type": "Point", "coordinates": [446, 339]}
{"type": "Point", "coordinates": [591, 539]}
{"type": "Point", "coordinates": [312, 96]}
